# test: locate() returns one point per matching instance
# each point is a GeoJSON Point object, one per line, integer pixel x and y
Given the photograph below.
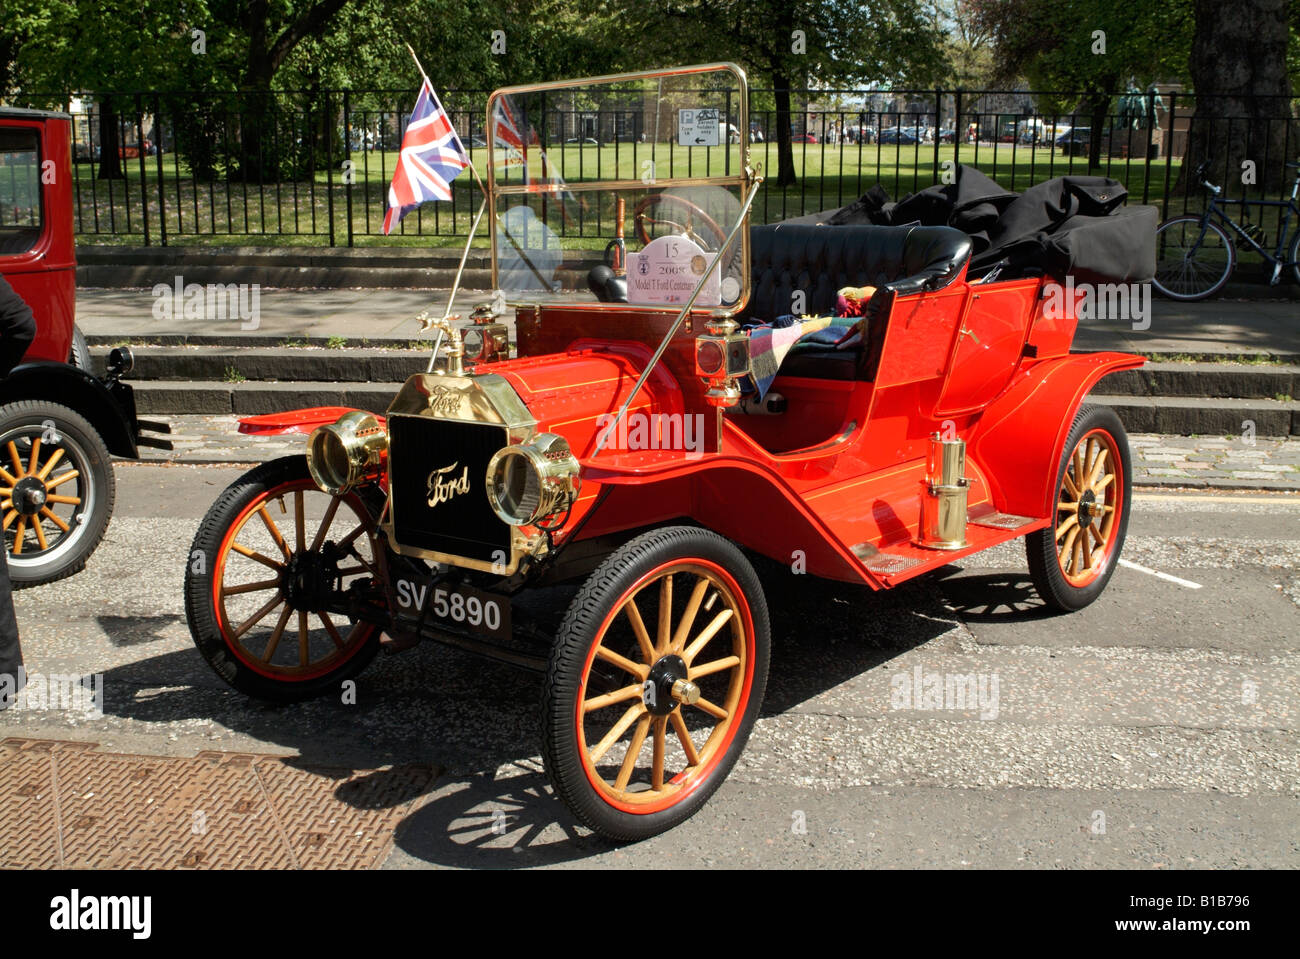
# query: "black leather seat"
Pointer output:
{"type": "Point", "coordinates": [821, 260]}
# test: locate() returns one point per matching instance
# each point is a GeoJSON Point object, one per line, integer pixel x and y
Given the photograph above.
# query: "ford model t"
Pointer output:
{"type": "Point", "coordinates": [650, 429]}
{"type": "Point", "coordinates": [58, 422]}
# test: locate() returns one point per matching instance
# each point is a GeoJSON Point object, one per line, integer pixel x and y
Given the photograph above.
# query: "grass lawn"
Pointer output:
{"type": "Point", "coordinates": [232, 212]}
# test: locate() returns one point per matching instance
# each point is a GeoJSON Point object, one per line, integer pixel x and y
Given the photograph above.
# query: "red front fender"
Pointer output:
{"type": "Point", "coordinates": [1021, 436]}
{"type": "Point", "coordinates": [294, 421]}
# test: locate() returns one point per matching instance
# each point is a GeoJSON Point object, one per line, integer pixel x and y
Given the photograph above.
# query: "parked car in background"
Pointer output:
{"type": "Point", "coordinates": [59, 423]}
{"type": "Point", "coordinates": [804, 138]}
{"type": "Point", "coordinates": [581, 141]}
{"type": "Point", "coordinates": [898, 135]}
{"type": "Point", "coordinates": [130, 149]}
{"type": "Point", "coordinates": [1075, 141]}
{"type": "Point", "coordinates": [947, 135]}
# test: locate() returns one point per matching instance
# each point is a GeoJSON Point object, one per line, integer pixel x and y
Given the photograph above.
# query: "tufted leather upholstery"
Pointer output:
{"type": "Point", "coordinates": [820, 260]}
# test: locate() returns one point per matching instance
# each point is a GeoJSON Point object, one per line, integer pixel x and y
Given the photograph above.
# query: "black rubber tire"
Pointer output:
{"type": "Point", "coordinates": [79, 353]}
{"type": "Point", "coordinates": [1203, 291]}
{"type": "Point", "coordinates": [618, 573]}
{"type": "Point", "coordinates": [1040, 546]}
{"type": "Point", "coordinates": [1293, 255]}
{"type": "Point", "coordinates": [84, 447]}
{"type": "Point", "coordinates": [203, 618]}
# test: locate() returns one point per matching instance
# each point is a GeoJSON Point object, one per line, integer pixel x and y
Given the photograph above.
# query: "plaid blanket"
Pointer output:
{"type": "Point", "coordinates": [770, 342]}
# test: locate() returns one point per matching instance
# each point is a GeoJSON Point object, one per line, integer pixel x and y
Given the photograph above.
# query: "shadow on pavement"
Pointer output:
{"type": "Point", "coordinates": [474, 725]}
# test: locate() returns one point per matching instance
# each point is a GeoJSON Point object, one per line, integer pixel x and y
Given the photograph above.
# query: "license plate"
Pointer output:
{"type": "Point", "coordinates": [459, 608]}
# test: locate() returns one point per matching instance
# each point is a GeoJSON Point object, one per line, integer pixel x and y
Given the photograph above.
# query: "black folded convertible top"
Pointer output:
{"type": "Point", "coordinates": [1069, 225]}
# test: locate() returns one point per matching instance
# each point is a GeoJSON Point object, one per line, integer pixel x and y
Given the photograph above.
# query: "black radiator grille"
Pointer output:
{"type": "Point", "coordinates": [455, 455]}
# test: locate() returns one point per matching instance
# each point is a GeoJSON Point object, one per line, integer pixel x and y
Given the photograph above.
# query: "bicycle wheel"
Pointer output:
{"type": "Point", "coordinates": [1293, 256]}
{"type": "Point", "coordinates": [1192, 264]}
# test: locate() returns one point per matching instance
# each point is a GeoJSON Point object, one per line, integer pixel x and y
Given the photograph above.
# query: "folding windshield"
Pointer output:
{"type": "Point", "coordinates": [643, 175]}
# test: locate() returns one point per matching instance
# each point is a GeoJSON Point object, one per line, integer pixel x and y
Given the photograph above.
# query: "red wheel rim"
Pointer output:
{"type": "Point", "coordinates": [252, 609]}
{"type": "Point", "coordinates": [645, 762]}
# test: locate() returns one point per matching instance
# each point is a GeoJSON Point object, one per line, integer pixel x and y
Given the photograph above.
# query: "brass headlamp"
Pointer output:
{"type": "Point", "coordinates": [531, 482]}
{"type": "Point", "coordinates": [347, 452]}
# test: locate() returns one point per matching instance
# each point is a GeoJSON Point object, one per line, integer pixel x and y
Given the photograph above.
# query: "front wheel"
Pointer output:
{"type": "Point", "coordinates": [57, 489]}
{"type": "Point", "coordinates": [1293, 255]}
{"type": "Point", "coordinates": [265, 582]}
{"type": "Point", "coordinates": [655, 682]}
{"type": "Point", "coordinates": [1072, 560]}
{"type": "Point", "coordinates": [1192, 262]}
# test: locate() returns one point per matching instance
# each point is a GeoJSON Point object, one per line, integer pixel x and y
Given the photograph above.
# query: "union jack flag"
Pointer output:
{"type": "Point", "coordinates": [506, 135]}
{"type": "Point", "coordinates": [432, 156]}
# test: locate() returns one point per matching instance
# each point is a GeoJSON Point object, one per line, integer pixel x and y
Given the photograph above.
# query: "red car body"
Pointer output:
{"type": "Point", "coordinates": [1011, 390]}
{"type": "Point", "coordinates": [944, 416]}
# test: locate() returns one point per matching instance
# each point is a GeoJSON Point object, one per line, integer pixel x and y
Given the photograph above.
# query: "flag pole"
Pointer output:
{"type": "Point", "coordinates": [425, 322]}
{"type": "Point", "coordinates": [469, 240]}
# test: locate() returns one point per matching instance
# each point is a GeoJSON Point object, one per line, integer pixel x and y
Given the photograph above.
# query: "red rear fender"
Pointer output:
{"type": "Point", "coordinates": [1019, 440]}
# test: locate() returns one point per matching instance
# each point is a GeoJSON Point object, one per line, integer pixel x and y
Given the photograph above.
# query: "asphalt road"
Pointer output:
{"type": "Point", "coordinates": [1157, 728]}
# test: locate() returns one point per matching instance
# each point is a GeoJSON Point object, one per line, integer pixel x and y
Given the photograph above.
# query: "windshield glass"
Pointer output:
{"type": "Point", "coordinates": [640, 176]}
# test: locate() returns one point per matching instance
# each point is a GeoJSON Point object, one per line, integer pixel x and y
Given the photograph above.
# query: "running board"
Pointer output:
{"type": "Point", "coordinates": [899, 562]}
{"type": "Point", "coordinates": [1001, 520]}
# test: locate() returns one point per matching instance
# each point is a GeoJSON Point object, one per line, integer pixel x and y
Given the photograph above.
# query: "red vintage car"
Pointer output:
{"type": "Point", "coordinates": [650, 442]}
{"type": "Point", "coordinates": [58, 422]}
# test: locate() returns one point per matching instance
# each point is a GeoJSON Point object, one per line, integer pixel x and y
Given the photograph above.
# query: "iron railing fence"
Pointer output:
{"type": "Point", "coordinates": [314, 166]}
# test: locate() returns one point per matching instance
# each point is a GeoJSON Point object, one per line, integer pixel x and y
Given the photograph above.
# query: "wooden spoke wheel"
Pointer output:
{"type": "Point", "coordinates": [1072, 560]}
{"type": "Point", "coordinates": [56, 490]}
{"type": "Point", "coordinates": [266, 584]}
{"type": "Point", "coordinates": [655, 681]}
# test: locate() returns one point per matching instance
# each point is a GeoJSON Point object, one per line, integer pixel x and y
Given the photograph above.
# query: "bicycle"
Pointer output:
{"type": "Point", "coordinates": [1195, 256]}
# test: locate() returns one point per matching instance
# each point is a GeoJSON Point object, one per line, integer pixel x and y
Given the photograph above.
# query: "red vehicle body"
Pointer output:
{"type": "Point", "coordinates": [956, 424]}
{"type": "Point", "coordinates": [78, 418]}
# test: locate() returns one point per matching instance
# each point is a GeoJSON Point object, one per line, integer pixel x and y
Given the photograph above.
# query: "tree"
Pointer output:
{"type": "Point", "coordinates": [1238, 66]}
{"type": "Point", "coordinates": [790, 44]}
{"type": "Point", "coordinates": [105, 47]}
{"type": "Point", "coordinates": [968, 47]}
{"type": "Point", "coordinates": [1088, 49]}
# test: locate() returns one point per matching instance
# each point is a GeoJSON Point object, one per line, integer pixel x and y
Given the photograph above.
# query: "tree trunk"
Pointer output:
{"type": "Point", "coordinates": [1243, 92]}
{"type": "Point", "coordinates": [110, 143]}
{"type": "Point", "coordinates": [784, 150]}
{"type": "Point", "coordinates": [1098, 105]}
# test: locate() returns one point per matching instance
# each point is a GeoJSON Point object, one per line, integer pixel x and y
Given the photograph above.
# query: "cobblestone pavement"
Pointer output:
{"type": "Point", "coordinates": [1228, 462]}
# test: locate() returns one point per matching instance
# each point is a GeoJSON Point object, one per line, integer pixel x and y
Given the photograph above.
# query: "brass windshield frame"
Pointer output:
{"type": "Point", "coordinates": [743, 180]}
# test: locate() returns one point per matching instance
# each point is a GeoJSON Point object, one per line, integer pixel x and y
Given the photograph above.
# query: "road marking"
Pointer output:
{"type": "Point", "coordinates": [1159, 575]}
{"type": "Point", "coordinates": [1279, 500]}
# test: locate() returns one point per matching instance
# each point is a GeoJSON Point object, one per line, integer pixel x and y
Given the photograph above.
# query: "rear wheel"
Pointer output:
{"type": "Point", "coordinates": [1293, 255]}
{"type": "Point", "coordinates": [655, 682]}
{"type": "Point", "coordinates": [1072, 560]}
{"type": "Point", "coordinates": [56, 490]}
{"type": "Point", "coordinates": [266, 573]}
{"type": "Point", "coordinates": [1192, 263]}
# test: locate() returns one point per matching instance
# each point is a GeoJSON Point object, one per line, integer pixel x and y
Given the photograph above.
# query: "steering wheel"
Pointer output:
{"type": "Point", "coordinates": [649, 213]}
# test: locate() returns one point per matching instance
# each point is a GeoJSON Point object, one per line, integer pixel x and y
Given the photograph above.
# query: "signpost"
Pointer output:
{"type": "Point", "coordinates": [698, 128]}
